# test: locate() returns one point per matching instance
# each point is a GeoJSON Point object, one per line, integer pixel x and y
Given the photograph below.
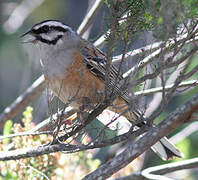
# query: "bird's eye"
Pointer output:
{"type": "Point", "coordinates": [45, 29]}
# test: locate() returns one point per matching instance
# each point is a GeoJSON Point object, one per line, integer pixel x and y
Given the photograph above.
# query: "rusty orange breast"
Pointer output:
{"type": "Point", "coordinates": [77, 84]}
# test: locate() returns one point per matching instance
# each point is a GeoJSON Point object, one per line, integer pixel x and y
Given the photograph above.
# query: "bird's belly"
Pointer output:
{"type": "Point", "coordinates": [77, 88]}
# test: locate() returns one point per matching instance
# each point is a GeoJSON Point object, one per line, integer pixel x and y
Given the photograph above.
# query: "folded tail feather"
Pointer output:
{"type": "Point", "coordinates": [163, 148]}
{"type": "Point", "coordinates": [166, 150]}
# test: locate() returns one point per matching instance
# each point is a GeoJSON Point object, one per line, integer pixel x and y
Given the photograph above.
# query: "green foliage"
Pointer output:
{"type": "Point", "coordinates": [6, 130]}
{"type": "Point", "coordinates": [165, 17]}
{"type": "Point", "coordinates": [87, 161]}
{"type": "Point", "coordinates": [192, 65]}
{"type": "Point", "coordinates": [27, 114]}
{"type": "Point", "coordinates": [97, 126]}
{"type": "Point", "coordinates": [161, 17]}
{"type": "Point", "coordinates": [148, 17]}
{"type": "Point", "coordinates": [191, 7]}
{"type": "Point", "coordinates": [7, 127]}
{"type": "Point", "coordinates": [184, 147]}
{"type": "Point", "coordinates": [53, 165]}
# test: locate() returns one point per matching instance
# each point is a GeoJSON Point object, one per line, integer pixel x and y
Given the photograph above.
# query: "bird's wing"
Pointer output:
{"type": "Point", "coordinates": [96, 61]}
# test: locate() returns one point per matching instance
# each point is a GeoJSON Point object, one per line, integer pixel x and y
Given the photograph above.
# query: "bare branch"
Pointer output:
{"type": "Point", "coordinates": [146, 92]}
{"type": "Point", "coordinates": [184, 133]}
{"type": "Point", "coordinates": [151, 57]}
{"type": "Point", "coordinates": [150, 173]}
{"type": "Point", "coordinates": [19, 15]}
{"type": "Point", "coordinates": [96, 112]}
{"type": "Point", "coordinates": [50, 122]}
{"type": "Point", "coordinates": [23, 100]}
{"type": "Point", "coordinates": [166, 65]}
{"type": "Point", "coordinates": [25, 134]}
{"type": "Point", "coordinates": [33, 169]}
{"type": "Point", "coordinates": [159, 97]}
{"type": "Point", "coordinates": [170, 167]}
{"type": "Point", "coordinates": [67, 148]}
{"type": "Point", "coordinates": [133, 176]}
{"type": "Point", "coordinates": [89, 17]}
{"type": "Point", "coordinates": [111, 43]}
{"type": "Point", "coordinates": [177, 118]}
{"type": "Point", "coordinates": [101, 40]}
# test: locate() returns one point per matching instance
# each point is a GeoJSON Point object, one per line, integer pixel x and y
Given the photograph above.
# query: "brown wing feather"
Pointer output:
{"type": "Point", "coordinates": [95, 61]}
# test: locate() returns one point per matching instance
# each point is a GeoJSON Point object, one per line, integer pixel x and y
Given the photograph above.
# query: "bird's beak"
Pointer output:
{"type": "Point", "coordinates": [29, 37]}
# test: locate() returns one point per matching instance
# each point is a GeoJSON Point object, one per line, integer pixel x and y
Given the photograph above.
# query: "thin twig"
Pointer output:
{"type": "Point", "coordinates": [146, 92]}
{"type": "Point", "coordinates": [166, 65]}
{"type": "Point", "coordinates": [175, 119]}
{"type": "Point", "coordinates": [184, 133]}
{"type": "Point", "coordinates": [153, 55]}
{"type": "Point", "coordinates": [159, 97]}
{"type": "Point", "coordinates": [19, 15]}
{"type": "Point", "coordinates": [170, 167]}
{"type": "Point", "coordinates": [33, 169]}
{"type": "Point", "coordinates": [102, 39]}
{"type": "Point", "coordinates": [89, 17]}
{"type": "Point", "coordinates": [49, 123]}
{"type": "Point", "coordinates": [151, 47]}
{"type": "Point", "coordinates": [150, 173]}
{"type": "Point", "coordinates": [133, 176]}
{"type": "Point", "coordinates": [67, 148]}
{"type": "Point", "coordinates": [25, 134]}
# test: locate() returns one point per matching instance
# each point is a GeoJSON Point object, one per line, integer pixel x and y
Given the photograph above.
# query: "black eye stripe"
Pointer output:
{"type": "Point", "coordinates": [46, 29]}
{"type": "Point", "coordinates": [60, 29]}
{"type": "Point", "coordinates": [54, 41]}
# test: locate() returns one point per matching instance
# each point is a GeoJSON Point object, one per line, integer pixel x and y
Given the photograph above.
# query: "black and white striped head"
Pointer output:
{"type": "Point", "coordinates": [50, 32]}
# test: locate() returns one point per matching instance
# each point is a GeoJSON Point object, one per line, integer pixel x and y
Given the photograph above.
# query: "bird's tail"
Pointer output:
{"type": "Point", "coordinates": [166, 150]}
{"type": "Point", "coordinates": [163, 148]}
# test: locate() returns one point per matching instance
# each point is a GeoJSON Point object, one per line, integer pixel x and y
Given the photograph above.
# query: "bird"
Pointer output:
{"type": "Point", "coordinates": [74, 69]}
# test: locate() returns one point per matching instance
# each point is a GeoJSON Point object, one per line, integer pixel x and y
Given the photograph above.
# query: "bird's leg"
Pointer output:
{"type": "Point", "coordinates": [86, 106]}
{"type": "Point", "coordinates": [64, 118]}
